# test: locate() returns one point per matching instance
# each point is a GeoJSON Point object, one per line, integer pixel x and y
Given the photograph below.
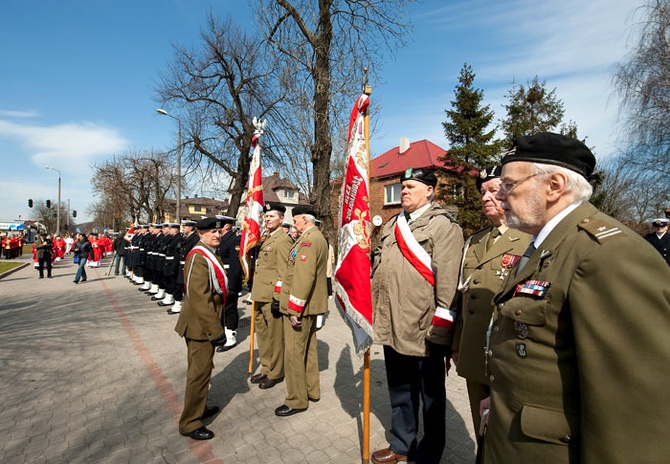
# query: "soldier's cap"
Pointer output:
{"type": "Point", "coordinates": [144, 226]}
{"type": "Point", "coordinates": [425, 176]}
{"type": "Point", "coordinates": [187, 222]}
{"type": "Point", "coordinates": [208, 223]}
{"type": "Point", "coordinates": [660, 222]}
{"type": "Point", "coordinates": [226, 219]}
{"type": "Point", "coordinates": [156, 225]}
{"type": "Point", "coordinates": [166, 224]}
{"type": "Point", "coordinates": [174, 225]}
{"type": "Point", "coordinates": [286, 224]}
{"type": "Point", "coordinates": [303, 209]}
{"type": "Point", "coordinates": [274, 207]}
{"type": "Point", "coordinates": [556, 149]}
{"type": "Point", "coordinates": [488, 173]}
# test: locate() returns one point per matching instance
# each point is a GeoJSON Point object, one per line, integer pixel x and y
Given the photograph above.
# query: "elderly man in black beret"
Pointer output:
{"type": "Point", "coordinates": [200, 325]}
{"type": "Point", "coordinates": [578, 348]}
{"type": "Point", "coordinates": [414, 282]}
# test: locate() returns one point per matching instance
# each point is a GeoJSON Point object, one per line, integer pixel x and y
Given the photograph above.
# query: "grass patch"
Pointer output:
{"type": "Point", "coordinates": [4, 267]}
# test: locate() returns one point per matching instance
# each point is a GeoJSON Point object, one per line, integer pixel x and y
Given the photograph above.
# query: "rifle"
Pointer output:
{"type": "Point", "coordinates": [111, 264]}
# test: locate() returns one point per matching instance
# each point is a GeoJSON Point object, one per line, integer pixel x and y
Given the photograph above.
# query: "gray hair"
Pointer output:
{"type": "Point", "coordinates": [310, 218]}
{"type": "Point", "coordinates": [577, 187]}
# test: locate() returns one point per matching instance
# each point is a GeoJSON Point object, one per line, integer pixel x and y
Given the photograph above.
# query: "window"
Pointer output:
{"type": "Point", "coordinates": [289, 194]}
{"type": "Point", "coordinates": [197, 208]}
{"type": "Point", "coordinates": [392, 194]}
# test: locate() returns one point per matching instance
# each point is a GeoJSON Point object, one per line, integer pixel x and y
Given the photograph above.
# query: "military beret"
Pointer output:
{"type": "Point", "coordinates": [486, 174]}
{"type": "Point", "coordinates": [660, 222]}
{"type": "Point", "coordinates": [187, 222]}
{"type": "Point", "coordinates": [425, 176]}
{"type": "Point", "coordinates": [303, 209]}
{"type": "Point", "coordinates": [274, 207]}
{"type": "Point", "coordinates": [209, 223]}
{"type": "Point", "coordinates": [226, 219]}
{"type": "Point", "coordinates": [556, 149]}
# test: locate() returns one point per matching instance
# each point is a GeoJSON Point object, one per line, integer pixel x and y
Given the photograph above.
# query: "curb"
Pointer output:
{"type": "Point", "coordinates": [11, 271]}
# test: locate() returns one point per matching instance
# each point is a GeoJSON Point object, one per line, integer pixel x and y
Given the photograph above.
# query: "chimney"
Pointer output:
{"type": "Point", "coordinates": [404, 145]}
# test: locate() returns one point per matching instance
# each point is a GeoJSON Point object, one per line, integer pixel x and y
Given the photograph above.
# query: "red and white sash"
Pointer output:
{"type": "Point", "coordinates": [423, 263]}
{"type": "Point", "coordinates": [217, 275]}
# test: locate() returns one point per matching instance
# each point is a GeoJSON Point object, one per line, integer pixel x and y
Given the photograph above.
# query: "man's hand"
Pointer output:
{"type": "Point", "coordinates": [454, 357]}
{"type": "Point", "coordinates": [295, 321]}
{"type": "Point", "coordinates": [220, 340]}
{"type": "Point", "coordinates": [484, 405]}
{"type": "Point", "coordinates": [274, 308]}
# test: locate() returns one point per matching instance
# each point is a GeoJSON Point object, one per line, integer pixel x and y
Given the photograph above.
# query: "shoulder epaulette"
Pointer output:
{"type": "Point", "coordinates": [600, 229]}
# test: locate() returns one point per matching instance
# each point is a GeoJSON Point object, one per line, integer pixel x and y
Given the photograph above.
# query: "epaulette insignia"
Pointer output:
{"type": "Point", "coordinates": [306, 244]}
{"type": "Point", "coordinates": [599, 229]}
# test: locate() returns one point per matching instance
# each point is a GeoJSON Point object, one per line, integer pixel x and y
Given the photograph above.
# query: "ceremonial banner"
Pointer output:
{"type": "Point", "coordinates": [352, 273]}
{"type": "Point", "coordinates": [251, 233]}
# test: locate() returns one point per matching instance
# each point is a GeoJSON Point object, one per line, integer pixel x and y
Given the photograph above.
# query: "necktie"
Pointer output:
{"type": "Point", "coordinates": [526, 257]}
{"type": "Point", "coordinates": [492, 238]}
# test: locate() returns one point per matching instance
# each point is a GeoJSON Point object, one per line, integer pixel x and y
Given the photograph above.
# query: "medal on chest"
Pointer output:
{"type": "Point", "coordinates": [507, 262]}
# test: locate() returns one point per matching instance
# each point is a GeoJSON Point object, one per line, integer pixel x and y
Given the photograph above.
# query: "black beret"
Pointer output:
{"type": "Point", "coordinates": [550, 148]}
{"type": "Point", "coordinates": [660, 222]}
{"type": "Point", "coordinates": [303, 209]}
{"type": "Point", "coordinates": [209, 223]}
{"type": "Point", "coordinates": [486, 174]}
{"type": "Point", "coordinates": [425, 176]}
{"type": "Point", "coordinates": [274, 207]}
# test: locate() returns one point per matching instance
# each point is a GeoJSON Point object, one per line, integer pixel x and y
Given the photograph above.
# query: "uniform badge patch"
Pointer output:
{"type": "Point", "coordinates": [303, 257]}
{"type": "Point", "coordinates": [521, 350]}
{"type": "Point", "coordinates": [306, 244]}
{"type": "Point", "coordinates": [521, 330]}
{"type": "Point", "coordinates": [537, 288]}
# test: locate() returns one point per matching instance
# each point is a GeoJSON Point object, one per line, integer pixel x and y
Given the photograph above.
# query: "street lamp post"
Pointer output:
{"type": "Point", "coordinates": [58, 206]}
{"type": "Point", "coordinates": [165, 113]}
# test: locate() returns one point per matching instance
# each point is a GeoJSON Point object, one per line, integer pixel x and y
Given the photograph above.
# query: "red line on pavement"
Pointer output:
{"type": "Point", "coordinates": [201, 450]}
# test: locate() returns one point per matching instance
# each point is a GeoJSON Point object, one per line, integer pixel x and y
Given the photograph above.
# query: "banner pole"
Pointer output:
{"type": "Point", "coordinates": [251, 337]}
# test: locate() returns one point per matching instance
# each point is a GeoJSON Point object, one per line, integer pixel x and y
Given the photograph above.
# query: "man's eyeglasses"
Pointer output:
{"type": "Point", "coordinates": [507, 186]}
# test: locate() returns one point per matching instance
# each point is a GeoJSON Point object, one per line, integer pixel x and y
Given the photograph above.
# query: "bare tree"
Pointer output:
{"type": "Point", "coordinates": [643, 83]}
{"type": "Point", "coordinates": [325, 47]}
{"type": "Point", "coordinates": [222, 87]}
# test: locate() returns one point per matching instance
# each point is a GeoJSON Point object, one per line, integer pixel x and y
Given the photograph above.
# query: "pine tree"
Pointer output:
{"type": "Point", "coordinates": [472, 146]}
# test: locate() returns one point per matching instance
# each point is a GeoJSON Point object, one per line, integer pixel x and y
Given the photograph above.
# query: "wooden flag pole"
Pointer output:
{"type": "Point", "coordinates": [367, 90]}
{"type": "Point", "coordinates": [251, 336]}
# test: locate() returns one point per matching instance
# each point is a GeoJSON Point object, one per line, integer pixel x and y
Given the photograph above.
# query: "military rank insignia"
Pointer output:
{"type": "Point", "coordinates": [536, 288]}
{"type": "Point", "coordinates": [507, 262]}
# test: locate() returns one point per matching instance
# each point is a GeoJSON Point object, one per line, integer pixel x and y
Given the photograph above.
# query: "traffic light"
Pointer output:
{"type": "Point", "coordinates": [74, 213]}
{"type": "Point", "coordinates": [30, 203]}
{"type": "Point", "coordinates": [48, 203]}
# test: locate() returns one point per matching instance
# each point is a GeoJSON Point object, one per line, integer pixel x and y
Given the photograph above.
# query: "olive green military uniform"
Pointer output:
{"type": "Point", "coordinates": [269, 269]}
{"type": "Point", "coordinates": [304, 294]}
{"type": "Point", "coordinates": [482, 275]}
{"type": "Point", "coordinates": [199, 323]}
{"type": "Point", "coordinates": [580, 349]}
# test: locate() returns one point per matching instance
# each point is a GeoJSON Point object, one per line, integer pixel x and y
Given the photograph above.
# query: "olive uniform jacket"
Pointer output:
{"type": "Point", "coordinates": [482, 275]}
{"type": "Point", "coordinates": [403, 302]}
{"type": "Point", "coordinates": [43, 248]}
{"type": "Point", "coordinates": [580, 349]}
{"type": "Point", "coordinates": [200, 316]}
{"type": "Point", "coordinates": [270, 266]}
{"type": "Point", "coordinates": [304, 289]}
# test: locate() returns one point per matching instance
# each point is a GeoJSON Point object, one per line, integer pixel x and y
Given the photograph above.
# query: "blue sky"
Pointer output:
{"type": "Point", "coordinates": [77, 77]}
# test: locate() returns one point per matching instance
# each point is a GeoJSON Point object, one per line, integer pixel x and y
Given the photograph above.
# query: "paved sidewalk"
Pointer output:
{"type": "Point", "coordinates": [94, 373]}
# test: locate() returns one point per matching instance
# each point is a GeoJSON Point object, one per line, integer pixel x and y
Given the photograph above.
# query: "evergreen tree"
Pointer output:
{"type": "Point", "coordinates": [472, 146]}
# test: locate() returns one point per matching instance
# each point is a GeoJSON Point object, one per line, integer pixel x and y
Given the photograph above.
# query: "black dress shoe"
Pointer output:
{"type": "Point", "coordinates": [210, 411]}
{"type": "Point", "coordinates": [267, 382]}
{"type": "Point", "coordinates": [256, 378]}
{"type": "Point", "coordinates": [285, 411]}
{"type": "Point", "coordinates": [203, 433]}
{"type": "Point", "coordinates": [169, 311]}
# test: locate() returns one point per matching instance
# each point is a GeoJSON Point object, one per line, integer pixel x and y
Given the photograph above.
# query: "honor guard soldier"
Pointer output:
{"type": "Point", "coordinates": [659, 237]}
{"type": "Point", "coordinates": [200, 325]}
{"type": "Point", "coordinates": [147, 265]}
{"type": "Point", "coordinates": [265, 293]}
{"type": "Point", "coordinates": [161, 244]}
{"type": "Point", "coordinates": [578, 348]}
{"type": "Point", "coordinates": [414, 283]}
{"type": "Point", "coordinates": [488, 256]}
{"type": "Point", "coordinates": [171, 264]}
{"type": "Point", "coordinates": [304, 296]}
{"type": "Point", "coordinates": [229, 250]}
{"type": "Point", "coordinates": [140, 255]}
{"type": "Point", "coordinates": [188, 240]}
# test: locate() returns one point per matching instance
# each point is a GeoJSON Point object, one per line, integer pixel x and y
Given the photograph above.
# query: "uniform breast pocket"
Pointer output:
{"type": "Point", "coordinates": [525, 309]}
{"type": "Point", "coordinates": [549, 425]}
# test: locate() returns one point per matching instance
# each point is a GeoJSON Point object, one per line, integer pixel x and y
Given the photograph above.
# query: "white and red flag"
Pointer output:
{"type": "Point", "coordinates": [352, 273]}
{"type": "Point", "coordinates": [251, 233]}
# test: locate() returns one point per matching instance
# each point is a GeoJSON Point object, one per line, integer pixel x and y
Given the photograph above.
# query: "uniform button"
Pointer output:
{"type": "Point", "coordinates": [517, 312]}
{"type": "Point", "coordinates": [473, 297]}
{"type": "Point", "coordinates": [565, 439]}
{"type": "Point", "coordinates": [491, 378]}
{"type": "Point", "coordinates": [586, 220]}
{"type": "Point", "coordinates": [496, 329]}
{"type": "Point", "coordinates": [470, 311]}
{"type": "Point", "coordinates": [500, 306]}
{"type": "Point", "coordinates": [476, 281]}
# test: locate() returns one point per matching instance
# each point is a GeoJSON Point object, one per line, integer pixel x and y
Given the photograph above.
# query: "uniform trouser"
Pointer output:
{"type": "Point", "coordinates": [411, 378]}
{"type": "Point", "coordinates": [42, 263]}
{"type": "Point", "coordinates": [301, 362]}
{"type": "Point", "coordinates": [270, 337]}
{"type": "Point", "coordinates": [178, 294]}
{"type": "Point", "coordinates": [170, 284]}
{"type": "Point", "coordinates": [198, 375]}
{"type": "Point", "coordinates": [230, 318]}
{"type": "Point", "coordinates": [476, 393]}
